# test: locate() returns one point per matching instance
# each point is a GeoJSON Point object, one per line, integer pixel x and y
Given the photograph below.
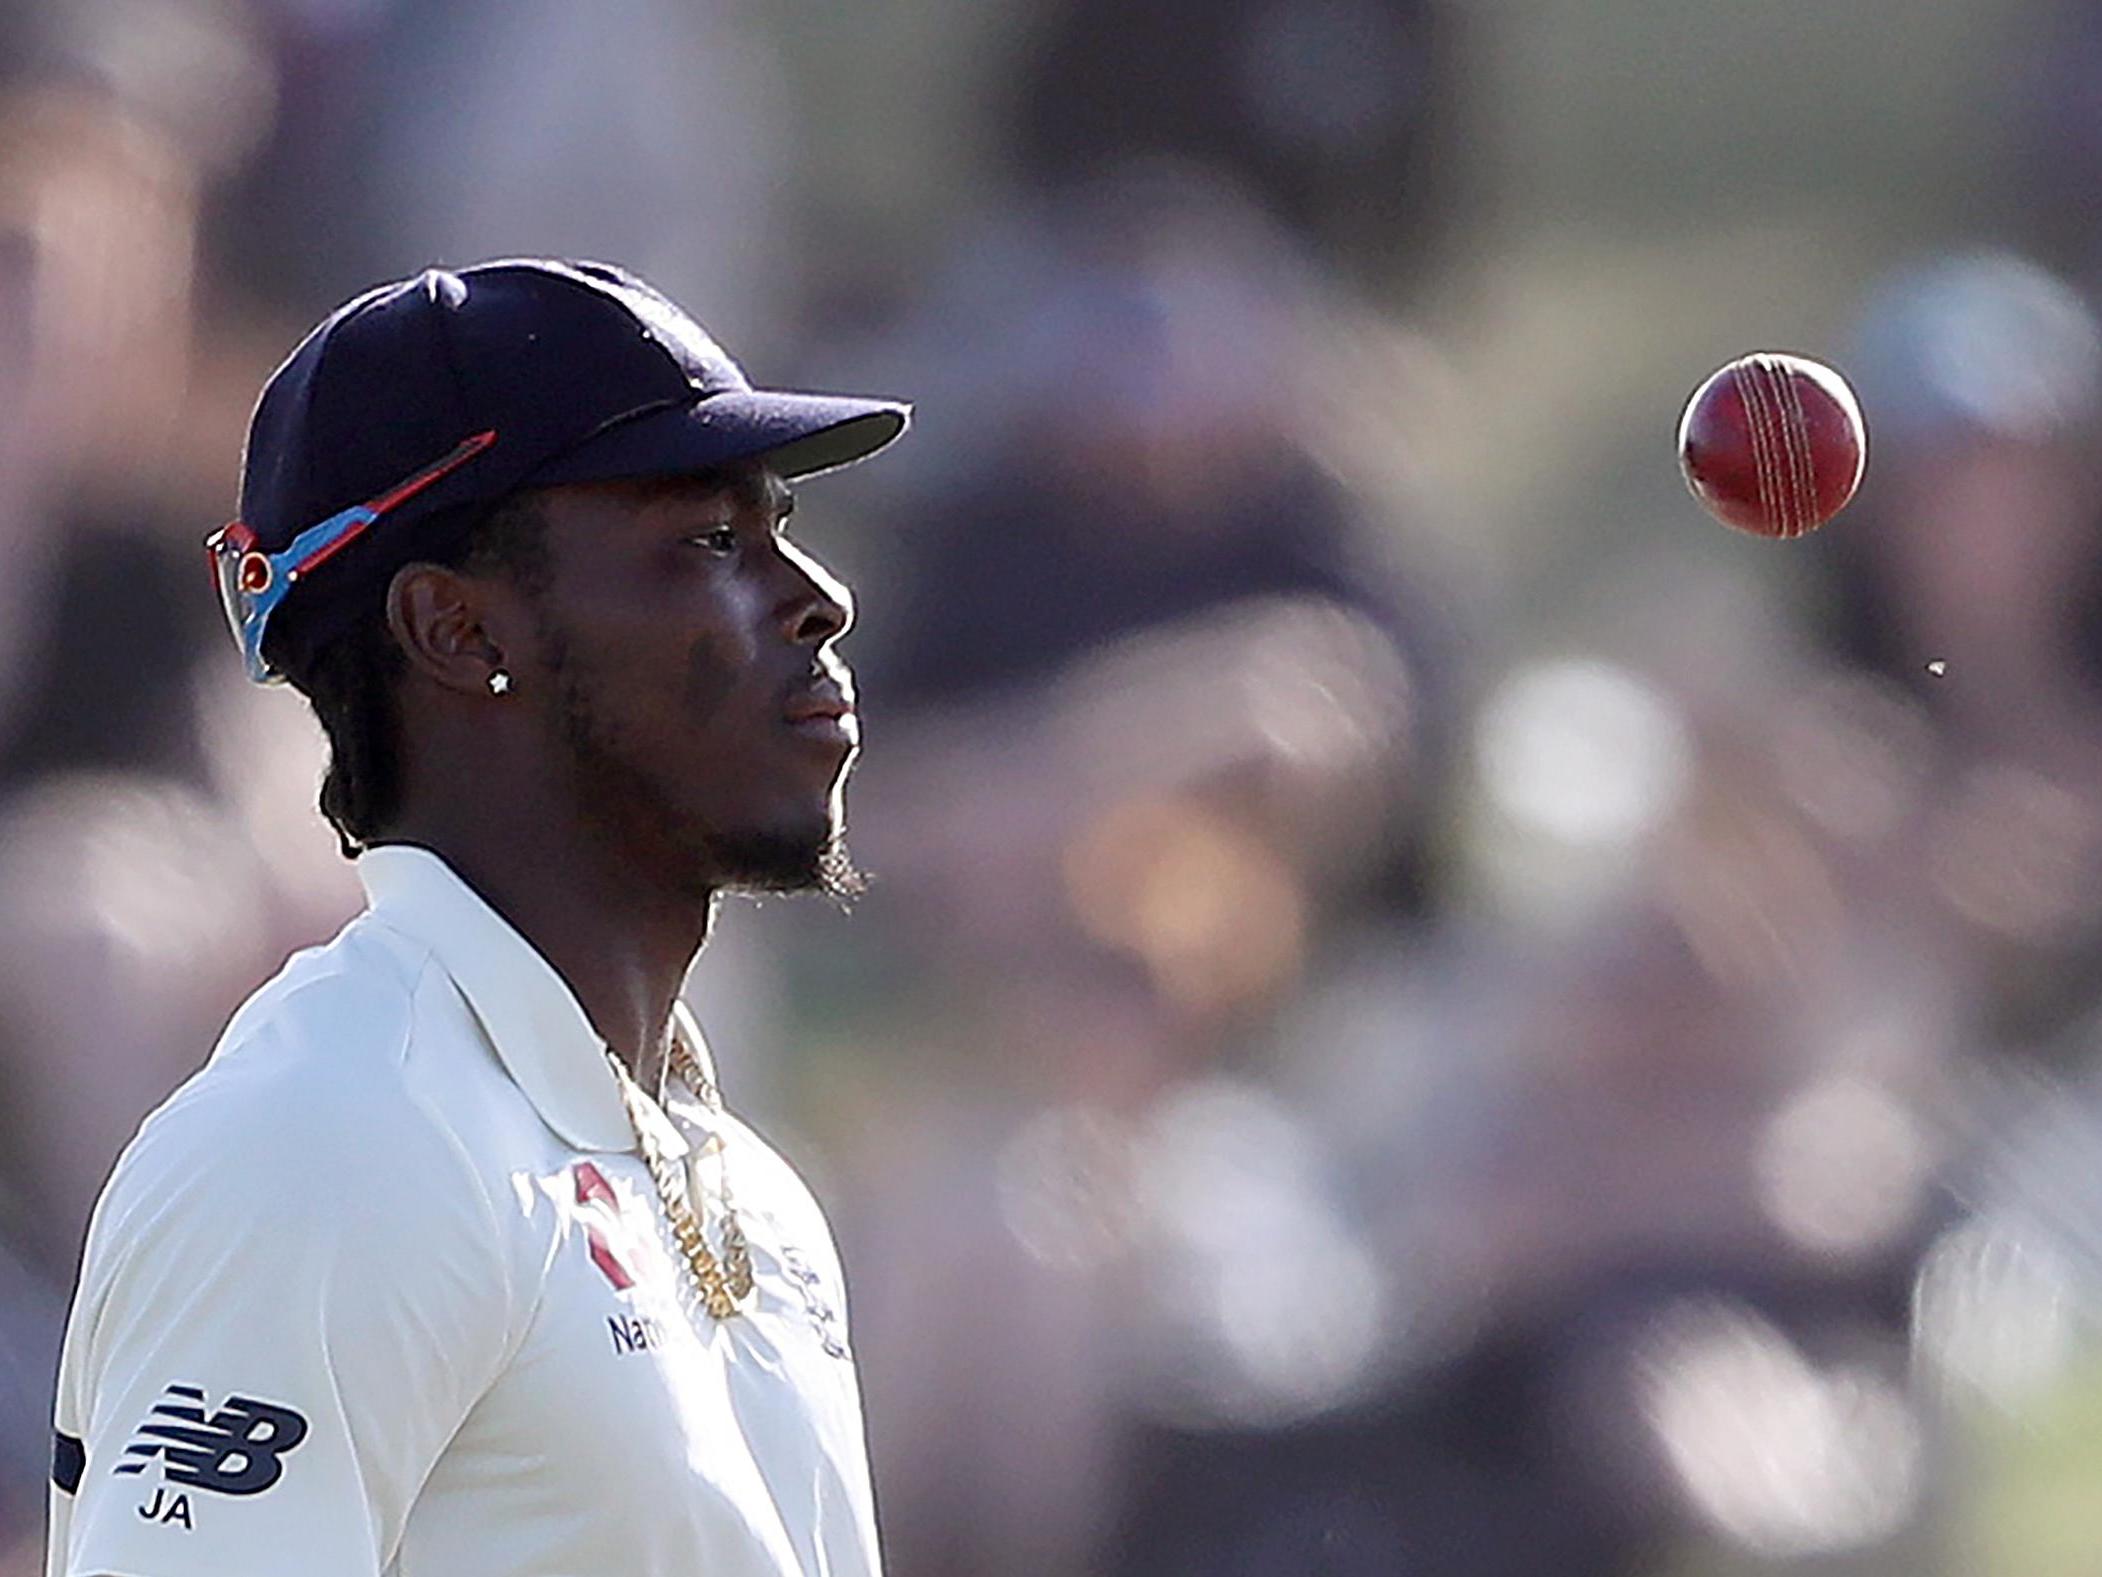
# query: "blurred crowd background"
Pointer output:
{"type": "Point", "coordinates": [1426, 1009]}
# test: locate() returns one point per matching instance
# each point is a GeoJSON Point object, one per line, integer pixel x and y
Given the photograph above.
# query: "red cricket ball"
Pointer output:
{"type": "Point", "coordinates": [1773, 444]}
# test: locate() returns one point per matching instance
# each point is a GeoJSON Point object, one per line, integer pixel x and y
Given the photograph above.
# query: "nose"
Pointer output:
{"type": "Point", "coordinates": [819, 608]}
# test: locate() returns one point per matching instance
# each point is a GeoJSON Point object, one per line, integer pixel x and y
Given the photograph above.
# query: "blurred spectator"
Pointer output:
{"type": "Point", "coordinates": [1164, 711]}
{"type": "Point", "coordinates": [645, 132]}
{"type": "Point", "coordinates": [1145, 458]}
{"type": "Point", "coordinates": [1972, 577]}
{"type": "Point", "coordinates": [1340, 117]}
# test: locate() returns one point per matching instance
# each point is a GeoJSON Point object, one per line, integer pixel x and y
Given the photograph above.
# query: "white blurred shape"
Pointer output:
{"type": "Point", "coordinates": [150, 867]}
{"type": "Point", "coordinates": [1993, 1311]}
{"type": "Point", "coordinates": [1841, 1166]}
{"type": "Point", "coordinates": [1064, 1186]}
{"type": "Point", "coordinates": [1324, 686]}
{"type": "Point", "coordinates": [1581, 751]}
{"type": "Point", "coordinates": [1273, 1304]}
{"type": "Point", "coordinates": [2012, 852]}
{"type": "Point", "coordinates": [1989, 341]}
{"type": "Point", "coordinates": [1223, 1156]}
{"type": "Point", "coordinates": [1980, 370]}
{"type": "Point", "coordinates": [1303, 1333]}
{"type": "Point", "coordinates": [1787, 1459]}
{"type": "Point", "coordinates": [1852, 754]}
{"type": "Point", "coordinates": [197, 67]}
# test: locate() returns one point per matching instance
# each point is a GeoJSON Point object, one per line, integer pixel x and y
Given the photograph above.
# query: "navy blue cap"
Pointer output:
{"type": "Point", "coordinates": [582, 372]}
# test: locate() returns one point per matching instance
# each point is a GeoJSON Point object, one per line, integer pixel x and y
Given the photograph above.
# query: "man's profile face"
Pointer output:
{"type": "Point", "coordinates": [685, 649]}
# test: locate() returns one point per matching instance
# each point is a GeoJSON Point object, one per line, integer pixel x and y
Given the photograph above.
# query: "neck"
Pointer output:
{"type": "Point", "coordinates": [623, 945]}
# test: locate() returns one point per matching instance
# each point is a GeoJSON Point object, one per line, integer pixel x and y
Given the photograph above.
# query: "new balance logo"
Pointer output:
{"type": "Point", "coordinates": [235, 1449]}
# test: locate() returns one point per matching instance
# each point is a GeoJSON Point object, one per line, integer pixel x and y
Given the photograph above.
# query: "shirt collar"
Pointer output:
{"type": "Point", "coordinates": [532, 1018]}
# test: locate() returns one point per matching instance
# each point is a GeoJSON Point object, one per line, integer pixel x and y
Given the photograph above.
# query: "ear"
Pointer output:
{"type": "Point", "coordinates": [446, 622]}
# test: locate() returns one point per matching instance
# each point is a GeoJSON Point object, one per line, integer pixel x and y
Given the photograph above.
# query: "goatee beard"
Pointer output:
{"type": "Point", "coordinates": [813, 859]}
{"type": "Point", "coordinates": [765, 863]}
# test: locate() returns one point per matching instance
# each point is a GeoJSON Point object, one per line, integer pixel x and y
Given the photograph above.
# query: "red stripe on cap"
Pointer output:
{"type": "Point", "coordinates": [423, 479]}
{"type": "Point", "coordinates": [395, 496]}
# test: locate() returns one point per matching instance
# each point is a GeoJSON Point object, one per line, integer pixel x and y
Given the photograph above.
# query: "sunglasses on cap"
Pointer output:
{"type": "Point", "coordinates": [253, 582]}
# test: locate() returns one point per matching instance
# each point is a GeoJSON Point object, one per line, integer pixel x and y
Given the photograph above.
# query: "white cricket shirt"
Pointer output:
{"type": "Point", "coordinates": [386, 1289]}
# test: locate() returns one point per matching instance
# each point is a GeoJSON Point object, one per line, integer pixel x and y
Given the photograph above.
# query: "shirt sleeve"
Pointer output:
{"type": "Point", "coordinates": [291, 1298]}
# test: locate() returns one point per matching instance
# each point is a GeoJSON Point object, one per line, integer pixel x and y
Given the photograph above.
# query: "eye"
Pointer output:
{"type": "Point", "coordinates": [716, 539]}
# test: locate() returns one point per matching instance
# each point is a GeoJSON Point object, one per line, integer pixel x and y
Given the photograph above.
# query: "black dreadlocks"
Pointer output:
{"type": "Point", "coordinates": [350, 681]}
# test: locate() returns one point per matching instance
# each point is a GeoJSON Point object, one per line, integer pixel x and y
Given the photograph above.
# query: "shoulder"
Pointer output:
{"type": "Point", "coordinates": [768, 1183]}
{"type": "Point", "coordinates": [315, 1167]}
{"type": "Point", "coordinates": [337, 1083]}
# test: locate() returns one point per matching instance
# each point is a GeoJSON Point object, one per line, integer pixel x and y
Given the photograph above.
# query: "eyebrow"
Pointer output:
{"type": "Point", "coordinates": [749, 487]}
{"type": "Point", "coordinates": [765, 491]}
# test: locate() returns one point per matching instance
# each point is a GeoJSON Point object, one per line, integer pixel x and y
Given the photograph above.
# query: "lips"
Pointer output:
{"type": "Point", "coordinates": [825, 701]}
{"type": "Point", "coordinates": [824, 710]}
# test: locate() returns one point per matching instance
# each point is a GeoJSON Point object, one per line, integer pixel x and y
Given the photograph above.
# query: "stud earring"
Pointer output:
{"type": "Point", "coordinates": [499, 683]}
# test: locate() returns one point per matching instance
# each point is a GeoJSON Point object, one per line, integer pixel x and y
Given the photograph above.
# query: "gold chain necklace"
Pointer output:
{"type": "Point", "coordinates": [726, 1282]}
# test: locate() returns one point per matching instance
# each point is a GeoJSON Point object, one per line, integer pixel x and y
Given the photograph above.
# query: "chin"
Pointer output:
{"type": "Point", "coordinates": [810, 859]}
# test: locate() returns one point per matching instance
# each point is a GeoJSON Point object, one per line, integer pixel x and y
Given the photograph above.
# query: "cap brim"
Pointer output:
{"type": "Point", "coordinates": [798, 434]}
